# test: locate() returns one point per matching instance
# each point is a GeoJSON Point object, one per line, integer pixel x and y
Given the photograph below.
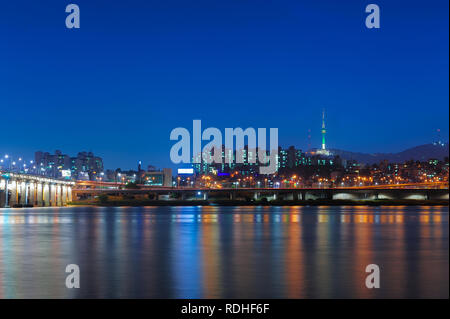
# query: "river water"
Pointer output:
{"type": "Point", "coordinates": [224, 252]}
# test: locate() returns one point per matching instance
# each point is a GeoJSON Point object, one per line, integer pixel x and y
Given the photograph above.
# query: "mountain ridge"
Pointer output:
{"type": "Point", "coordinates": [417, 153]}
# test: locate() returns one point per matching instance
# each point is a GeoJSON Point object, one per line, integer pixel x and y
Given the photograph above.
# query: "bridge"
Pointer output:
{"type": "Point", "coordinates": [26, 190]}
{"type": "Point", "coordinates": [418, 191]}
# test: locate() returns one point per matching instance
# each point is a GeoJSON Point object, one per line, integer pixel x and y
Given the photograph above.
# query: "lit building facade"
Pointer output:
{"type": "Point", "coordinates": [85, 166]}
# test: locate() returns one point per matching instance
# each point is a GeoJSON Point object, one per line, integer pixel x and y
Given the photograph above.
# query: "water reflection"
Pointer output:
{"type": "Point", "coordinates": [229, 252]}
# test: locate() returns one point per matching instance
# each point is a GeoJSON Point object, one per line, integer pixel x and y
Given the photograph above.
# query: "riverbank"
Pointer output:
{"type": "Point", "coordinates": [318, 202]}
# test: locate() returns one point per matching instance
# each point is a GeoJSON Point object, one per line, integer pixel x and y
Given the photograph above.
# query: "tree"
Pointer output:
{"type": "Point", "coordinates": [103, 198]}
{"type": "Point", "coordinates": [131, 185]}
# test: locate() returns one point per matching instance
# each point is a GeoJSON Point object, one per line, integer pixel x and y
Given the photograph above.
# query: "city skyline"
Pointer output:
{"type": "Point", "coordinates": [169, 70]}
{"type": "Point", "coordinates": [149, 162]}
{"type": "Point", "coordinates": [89, 166]}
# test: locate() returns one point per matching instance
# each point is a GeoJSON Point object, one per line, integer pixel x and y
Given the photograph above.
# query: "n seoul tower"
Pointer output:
{"type": "Point", "coordinates": [323, 150]}
{"type": "Point", "coordinates": [323, 130]}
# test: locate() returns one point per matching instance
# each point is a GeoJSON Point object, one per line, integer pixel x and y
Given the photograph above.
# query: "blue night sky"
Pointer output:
{"type": "Point", "coordinates": [137, 69]}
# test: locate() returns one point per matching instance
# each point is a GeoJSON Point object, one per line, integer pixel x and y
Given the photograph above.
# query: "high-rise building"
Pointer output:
{"type": "Point", "coordinates": [84, 166]}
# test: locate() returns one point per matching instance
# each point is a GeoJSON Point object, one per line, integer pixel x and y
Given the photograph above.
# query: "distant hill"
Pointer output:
{"type": "Point", "coordinates": [421, 153]}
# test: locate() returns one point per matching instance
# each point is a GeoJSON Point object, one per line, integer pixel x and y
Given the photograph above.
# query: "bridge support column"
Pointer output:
{"type": "Point", "coordinates": [5, 197]}
{"type": "Point", "coordinates": [205, 196]}
{"type": "Point", "coordinates": [53, 195]}
{"type": "Point", "coordinates": [59, 195]}
{"type": "Point", "coordinates": [36, 194]}
{"type": "Point", "coordinates": [45, 194]}
{"type": "Point", "coordinates": [69, 193]}
{"type": "Point", "coordinates": [20, 187]}
{"type": "Point", "coordinates": [31, 193]}
{"type": "Point", "coordinates": [40, 196]}
{"type": "Point", "coordinates": [2, 198]}
{"type": "Point", "coordinates": [56, 189]}
{"type": "Point", "coordinates": [256, 196]}
{"type": "Point", "coordinates": [20, 192]}
{"type": "Point", "coordinates": [12, 188]}
{"type": "Point", "coordinates": [50, 195]}
{"type": "Point", "coordinates": [27, 193]}
{"type": "Point", "coordinates": [64, 195]}
{"type": "Point", "coordinates": [329, 194]}
{"type": "Point", "coordinates": [303, 195]}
